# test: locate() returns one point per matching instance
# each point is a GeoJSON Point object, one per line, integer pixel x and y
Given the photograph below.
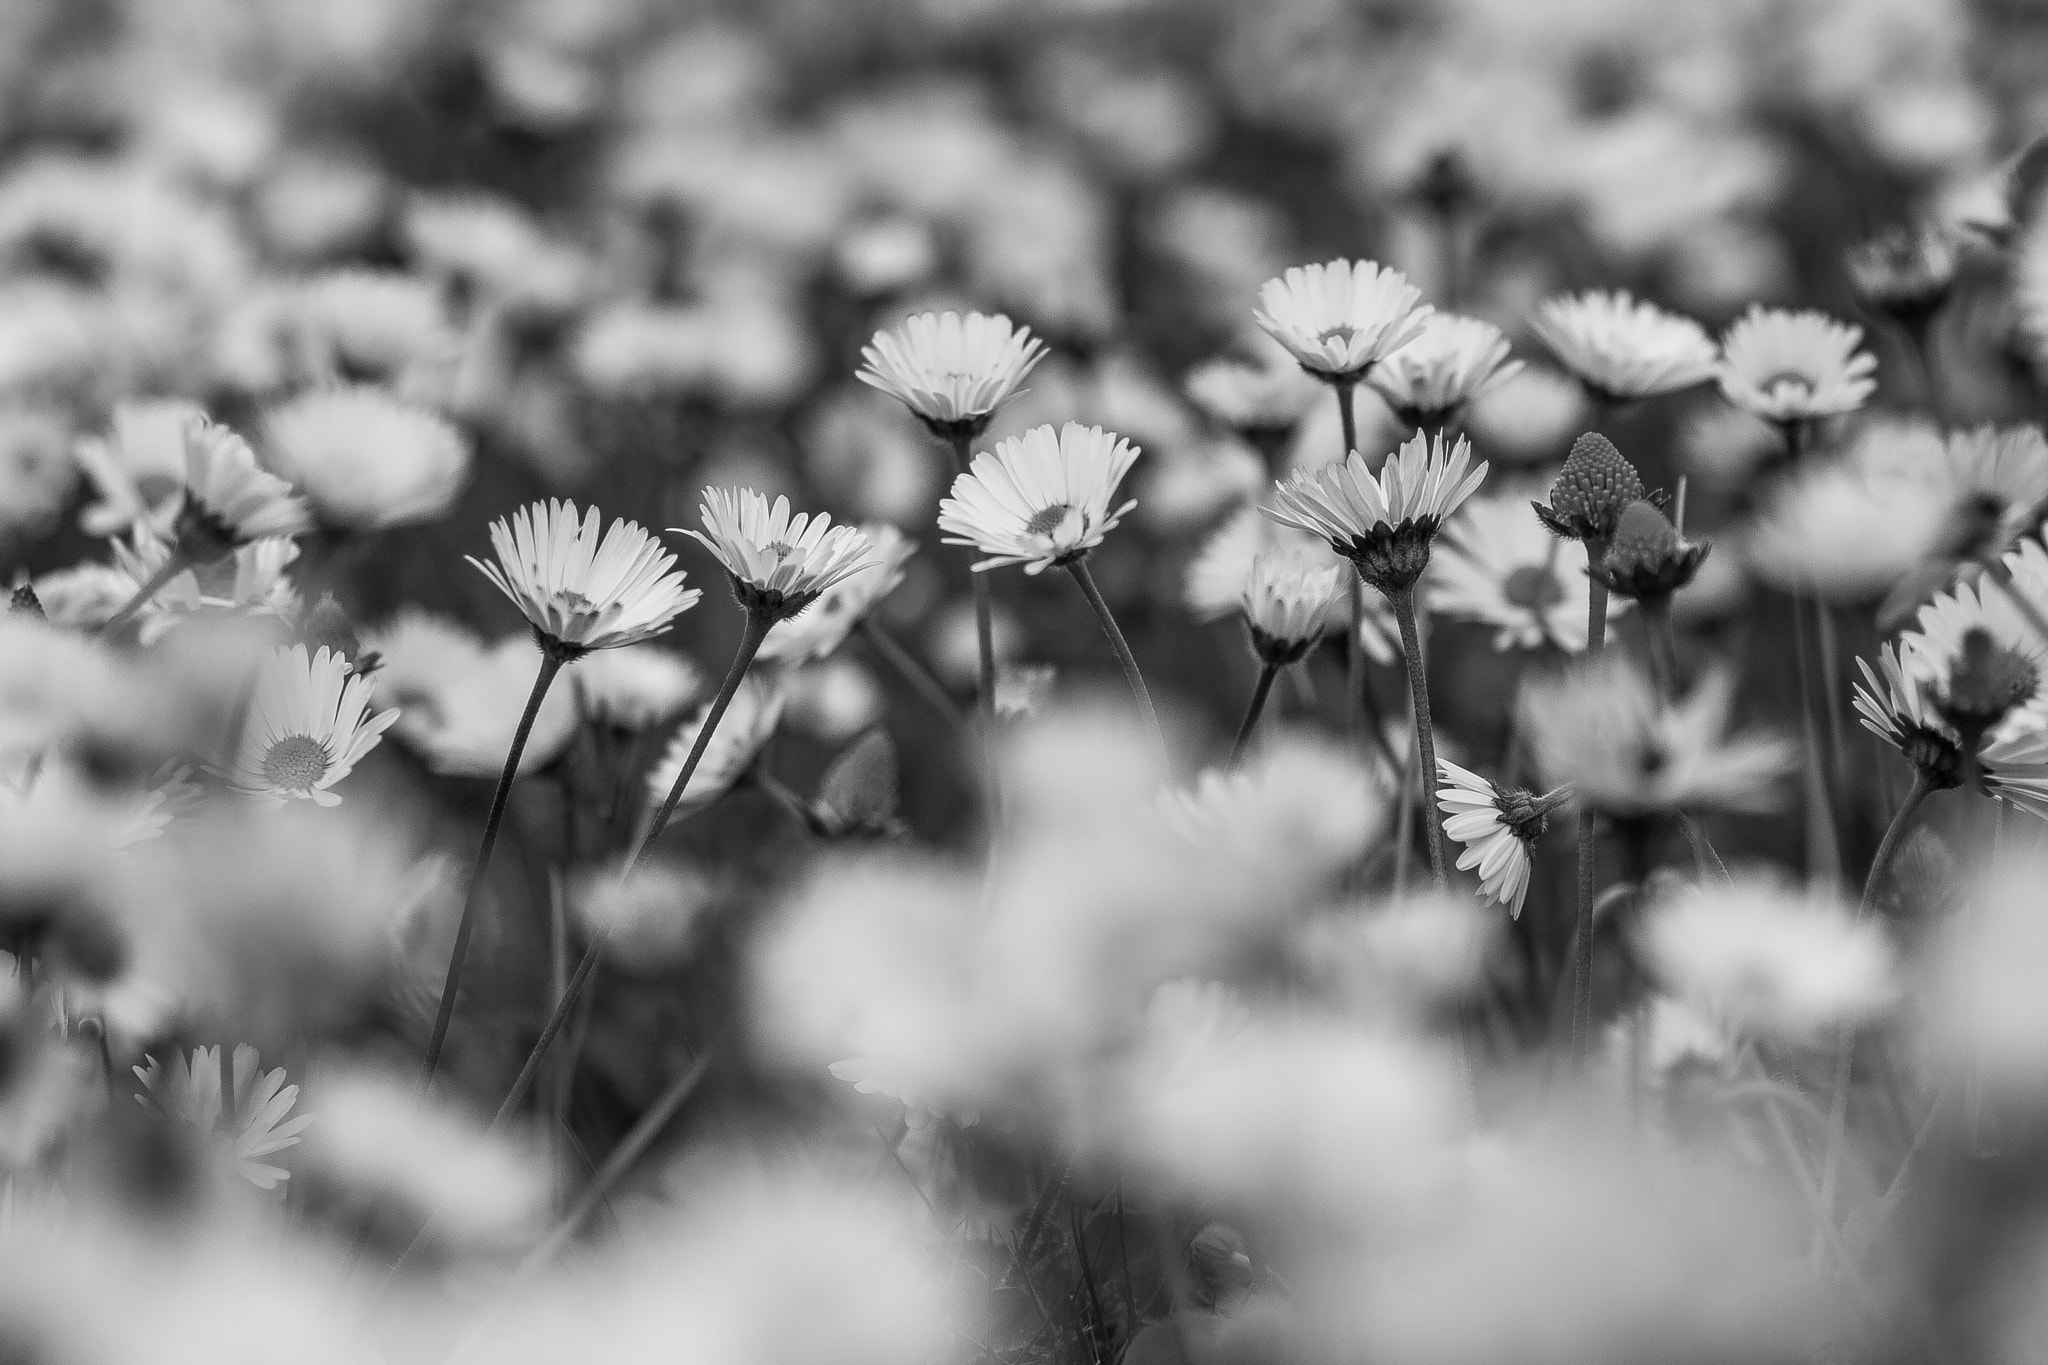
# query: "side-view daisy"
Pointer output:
{"type": "Point", "coordinates": [1498, 827]}
{"type": "Point", "coordinates": [1450, 362]}
{"type": "Point", "coordinates": [779, 563]}
{"type": "Point", "coordinates": [189, 1090]}
{"type": "Point", "coordinates": [309, 725]}
{"type": "Point", "coordinates": [953, 372]}
{"type": "Point", "coordinates": [1040, 500]}
{"type": "Point", "coordinates": [1287, 601]}
{"type": "Point", "coordinates": [1383, 523]}
{"type": "Point", "coordinates": [1623, 349]}
{"type": "Point", "coordinates": [1788, 367]}
{"type": "Point", "coordinates": [228, 500]}
{"type": "Point", "coordinates": [583, 587]}
{"type": "Point", "coordinates": [1340, 319]}
{"type": "Point", "coordinates": [820, 629]}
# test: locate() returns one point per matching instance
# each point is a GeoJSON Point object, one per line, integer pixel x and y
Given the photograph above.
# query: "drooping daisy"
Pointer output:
{"type": "Point", "coordinates": [779, 564]}
{"type": "Point", "coordinates": [823, 626]}
{"type": "Point", "coordinates": [1382, 523]}
{"type": "Point", "coordinates": [138, 467]}
{"type": "Point", "coordinates": [1788, 367]}
{"type": "Point", "coordinates": [1040, 500]}
{"type": "Point", "coordinates": [228, 500]}
{"type": "Point", "coordinates": [1498, 827]}
{"type": "Point", "coordinates": [309, 725]}
{"type": "Point", "coordinates": [1498, 566]}
{"type": "Point", "coordinates": [1622, 349]}
{"type": "Point", "coordinates": [1340, 319]}
{"type": "Point", "coordinates": [747, 724]}
{"type": "Point", "coordinates": [953, 372]}
{"type": "Point", "coordinates": [365, 459]}
{"type": "Point", "coordinates": [580, 590]}
{"type": "Point", "coordinates": [1288, 597]}
{"type": "Point", "coordinates": [189, 1090]}
{"type": "Point", "coordinates": [1450, 362]}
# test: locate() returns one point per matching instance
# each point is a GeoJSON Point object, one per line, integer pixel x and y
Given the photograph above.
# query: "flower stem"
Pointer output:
{"type": "Point", "coordinates": [551, 660]}
{"type": "Point", "coordinates": [171, 568]}
{"type": "Point", "coordinates": [1079, 569]}
{"type": "Point", "coordinates": [912, 672]}
{"type": "Point", "coordinates": [1267, 672]}
{"type": "Point", "coordinates": [1588, 850]}
{"type": "Point", "coordinates": [750, 644]}
{"type": "Point", "coordinates": [1894, 835]}
{"type": "Point", "coordinates": [1663, 648]}
{"type": "Point", "coordinates": [1403, 601]}
{"type": "Point", "coordinates": [984, 614]}
{"type": "Point", "coordinates": [1347, 414]}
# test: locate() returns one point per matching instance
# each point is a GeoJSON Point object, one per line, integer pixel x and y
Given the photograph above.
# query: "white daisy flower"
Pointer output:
{"type": "Point", "coordinates": [1974, 617]}
{"type": "Point", "coordinates": [1622, 349]}
{"type": "Point", "coordinates": [1498, 829]}
{"type": "Point", "coordinates": [743, 731]}
{"type": "Point", "coordinates": [365, 459]}
{"type": "Point", "coordinates": [952, 371]}
{"type": "Point", "coordinates": [581, 591]}
{"type": "Point", "coordinates": [1795, 367]}
{"type": "Point", "coordinates": [1899, 708]}
{"type": "Point", "coordinates": [370, 326]}
{"type": "Point", "coordinates": [634, 687]}
{"type": "Point", "coordinates": [1495, 564]}
{"type": "Point", "coordinates": [252, 579]}
{"type": "Point", "coordinates": [1339, 320]}
{"type": "Point", "coordinates": [1041, 499]}
{"type": "Point", "coordinates": [1258, 402]}
{"type": "Point", "coordinates": [1288, 598]}
{"type": "Point", "coordinates": [138, 467]}
{"type": "Point", "coordinates": [1382, 523]}
{"type": "Point", "coordinates": [1530, 417]}
{"type": "Point", "coordinates": [1218, 574]}
{"type": "Point", "coordinates": [823, 626]}
{"type": "Point", "coordinates": [309, 725]}
{"type": "Point", "coordinates": [487, 249]}
{"type": "Point", "coordinates": [778, 563]}
{"type": "Point", "coordinates": [189, 1090]}
{"type": "Point", "coordinates": [1452, 361]}
{"type": "Point", "coordinates": [228, 500]}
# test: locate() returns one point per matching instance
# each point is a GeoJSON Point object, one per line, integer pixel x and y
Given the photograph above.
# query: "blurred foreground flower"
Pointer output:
{"type": "Point", "coordinates": [748, 724]}
{"type": "Point", "coordinates": [364, 459]}
{"type": "Point", "coordinates": [189, 1090]}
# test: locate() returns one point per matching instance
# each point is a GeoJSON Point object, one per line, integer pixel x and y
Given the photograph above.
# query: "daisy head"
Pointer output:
{"type": "Point", "coordinates": [1978, 652]}
{"type": "Point", "coordinates": [189, 1091]}
{"type": "Point", "coordinates": [824, 626]}
{"type": "Point", "coordinates": [778, 563]}
{"type": "Point", "coordinates": [365, 459]}
{"type": "Point", "coordinates": [1339, 320]}
{"type": "Point", "coordinates": [1498, 827]}
{"type": "Point", "coordinates": [138, 467]}
{"type": "Point", "coordinates": [228, 500]}
{"type": "Point", "coordinates": [1382, 523]}
{"type": "Point", "coordinates": [1039, 500]}
{"type": "Point", "coordinates": [953, 372]}
{"type": "Point", "coordinates": [1895, 707]}
{"type": "Point", "coordinates": [1788, 367]}
{"type": "Point", "coordinates": [1622, 349]}
{"type": "Point", "coordinates": [1496, 565]}
{"type": "Point", "coordinates": [309, 725]}
{"type": "Point", "coordinates": [1449, 363]}
{"type": "Point", "coordinates": [582, 587]}
{"type": "Point", "coordinates": [1287, 599]}
{"type": "Point", "coordinates": [743, 731]}
{"type": "Point", "coordinates": [1996, 483]}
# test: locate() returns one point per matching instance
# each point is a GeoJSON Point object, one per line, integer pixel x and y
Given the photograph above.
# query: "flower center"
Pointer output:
{"type": "Point", "coordinates": [1343, 331]}
{"type": "Point", "coordinates": [296, 763]}
{"type": "Point", "coordinates": [781, 549]}
{"type": "Point", "coordinates": [1800, 384]}
{"type": "Point", "coordinates": [1532, 587]}
{"type": "Point", "coordinates": [1047, 519]}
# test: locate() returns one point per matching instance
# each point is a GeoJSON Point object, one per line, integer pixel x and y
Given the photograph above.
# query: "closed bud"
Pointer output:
{"type": "Point", "coordinates": [857, 798]}
{"type": "Point", "coordinates": [1648, 560]}
{"type": "Point", "coordinates": [1595, 487]}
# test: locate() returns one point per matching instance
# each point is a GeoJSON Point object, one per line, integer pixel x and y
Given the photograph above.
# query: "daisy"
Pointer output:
{"type": "Point", "coordinates": [1795, 367]}
{"type": "Point", "coordinates": [1498, 827]}
{"type": "Point", "coordinates": [138, 467]}
{"type": "Point", "coordinates": [1648, 560]}
{"type": "Point", "coordinates": [1339, 320]}
{"type": "Point", "coordinates": [1622, 349]}
{"type": "Point", "coordinates": [635, 686]}
{"type": "Point", "coordinates": [1452, 361]}
{"type": "Point", "coordinates": [309, 725]}
{"type": "Point", "coordinates": [1040, 500]}
{"type": "Point", "coordinates": [823, 627]}
{"type": "Point", "coordinates": [228, 500]}
{"type": "Point", "coordinates": [1382, 523]}
{"type": "Point", "coordinates": [190, 1091]}
{"type": "Point", "coordinates": [252, 579]}
{"type": "Point", "coordinates": [1981, 624]}
{"type": "Point", "coordinates": [365, 459]}
{"type": "Point", "coordinates": [953, 372]}
{"type": "Point", "coordinates": [1288, 597]}
{"type": "Point", "coordinates": [581, 591]}
{"type": "Point", "coordinates": [1219, 571]}
{"type": "Point", "coordinates": [779, 564]}
{"type": "Point", "coordinates": [1262, 403]}
{"type": "Point", "coordinates": [749, 723]}
{"type": "Point", "coordinates": [1899, 709]}
{"type": "Point", "coordinates": [1496, 565]}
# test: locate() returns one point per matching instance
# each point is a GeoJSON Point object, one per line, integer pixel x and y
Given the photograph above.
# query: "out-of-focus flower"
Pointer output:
{"type": "Point", "coordinates": [1622, 349]}
{"type": "Point", "coordinates": [1340, 319]}
{"type": "Point", "coordinates": [1788, 965]}
{"type": "Point", "coordinates": [581, 590]}
{"type": "Point", "coordinates": [1626, 752]}
{"type": "Point", "coordinates": [1498, 827]}
{"type": "Point", "coordinates": [1451, 361]}
{"type": "Point", "coordinates": [1528, 416]}
{"type": "Point", "coordinates": [884, 255]}
{"type": "Point", "coordinates": [1975, 639]}
{"type": "Point", "coordinates": [778, 563]}
{"type": "Point", "coordinates": [952, 371]}
{"type": "Point", "coordinates": [634, 687]}
{"type": "Point", "coordinates": [1295, 806]}
{"type": "Point", "coordinates": [138, 467]}
{"type": "Point", "coordinates": [189, 1090]}
{"type": "Point", "coordinates": [1795, 367]}
{"type": "Point", "coordinates": [228, 500]}
{"type": "Point", "coordinates": [650, 921]}
{"type": "Point", "coordinates": [1900, 707]}
{"type": "Point", "coordinates": [1221, 569]}
{"type": "Point", "coordinates": [834, 699]}
{"type": "Point", "coordinates": [1906, 274]}
{"type": "Point", "coordinates": [486, 249]}
{"type": "Point", "coordinates": [1383, 523]}
{"type": "Point", "coordinates": [309, 725]}
{"type": "Point", "coordinates": [1839, 531]}
{"type": "Point", "coordinates": [1021, 689]}
{"type": "Point", "coordinates": [823, 626]}
{"type": "Point", "coordinates": [1498, 566]}
{"type": "Point", "coordinates": [1262, 403]}
{"type": "Point", "coordinates": [1287, 599]}
{"type": "Point", "coordinates": [865, 1076]}
{"type": "Point", "coordinates": [460, 700]}
{"type": "Point", "coordinates": [1041, 499]}
{"type": "Point", "coordinates": [365, 459]}
{"type": "Point", "coordinates": [745, 729]}
{"type": "Point", "coordinates": [1402, 959]}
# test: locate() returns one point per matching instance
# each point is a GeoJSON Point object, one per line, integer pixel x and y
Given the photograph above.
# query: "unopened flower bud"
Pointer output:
{"type": "Point", "coordinates": [1595, 487]}
{"type": "Point", "coordinates": [25, 602]}
{"type": "Point", "coordinates": [1648, 560]}
{"type": "Point", "coordinates": [857, 798]}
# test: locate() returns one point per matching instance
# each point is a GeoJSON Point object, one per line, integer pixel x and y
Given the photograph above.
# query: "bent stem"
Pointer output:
{"type": "Point", "coordinates": [1267, 672]}
{"type": "Point", "coordinates": [750, 644]}
{"type": "Point", "coordinates": [1079, 569]}
{"type": "Point", "coordinates": [552, 657]}
{"type": "Point", "coordinates": [171, 568]}
{"type": "Point", "coordinates": [1403, 602]}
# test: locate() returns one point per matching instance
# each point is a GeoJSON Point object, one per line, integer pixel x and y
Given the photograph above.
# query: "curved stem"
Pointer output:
{"type": "Point", "coordinates": [1403, 602]}
{"type": "Point", "coordinates": [551, 660]}
{"type": "Point", "coordinates": [170, 569]}
{"type": "Point", "coordinates": [1079, 569]}
{"type": "Point", "coordinates": [911, 671]}
{"type": "Point", "coordinates": [750, 644]}
{"type": "Point", "coordinates": [1894, 836]}
{"type": "Point", "coordinates": [1267, 672]}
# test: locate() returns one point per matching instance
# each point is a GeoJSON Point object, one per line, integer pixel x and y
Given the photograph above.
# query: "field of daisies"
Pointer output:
{"type": "Point", "coordinates": [1023, 682]}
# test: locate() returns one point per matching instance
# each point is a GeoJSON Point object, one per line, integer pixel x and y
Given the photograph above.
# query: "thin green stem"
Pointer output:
{"type": "Point", "coordinates": [552, 658]}
{"type": "Point", "coordinates": [1588, 850]}
{"type": "Point", "coordinates": [912, 672]}
{"type": "Point", "coordinates": [1267, 672]}
{"type": "Point", "coordinates": [1823, 853]}
{"type": "Point", "coordinates": [170, 569]}
{"type": "Point", "coordinates": [1347, 413]}
{"type": "Point", "coordinates": [984, 609]}
{"type": "Point", "coordinates": [1663, 648]}
{"type": "Point", "coordinates": [1403, 602]}
{"type": "Point", "coordinates": [1079, 569]}
{"type": "Point", "coordinates": [756, 630]}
